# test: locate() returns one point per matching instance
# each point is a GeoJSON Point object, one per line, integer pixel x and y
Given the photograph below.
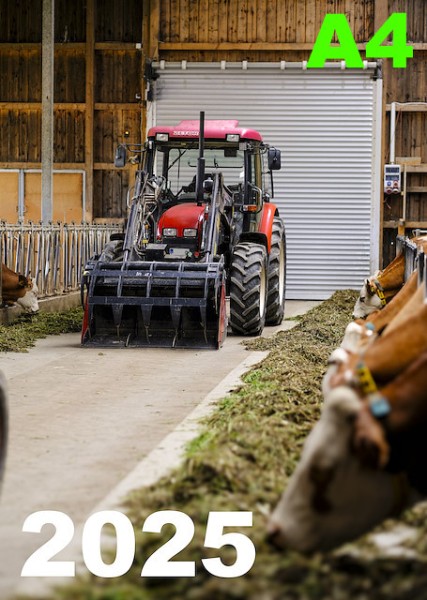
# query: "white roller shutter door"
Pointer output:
{"type": "Point", "coordinates": [327, 124]}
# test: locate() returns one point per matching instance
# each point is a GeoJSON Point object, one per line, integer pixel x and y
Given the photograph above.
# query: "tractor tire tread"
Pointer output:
{"type": "Point", "coordinates": [248, 267]}
{"type": "Point", "coordinates": [276, 296]}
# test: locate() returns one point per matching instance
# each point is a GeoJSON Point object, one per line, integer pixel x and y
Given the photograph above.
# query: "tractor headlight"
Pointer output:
{"type": "Point", "coordinates": [162, 137]}
{"type": "Point", "coordinates": [190, 233]}
{"type": "Point", "coordinates": [232, 137]}
{"type": "Point", "coordinates": [169, 232]}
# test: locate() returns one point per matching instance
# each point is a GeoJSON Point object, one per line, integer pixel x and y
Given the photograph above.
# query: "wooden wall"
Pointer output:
{"type": "Point", "coordinates": [99, 88]}
{"type": "Point", "coordinates": [96, 93]}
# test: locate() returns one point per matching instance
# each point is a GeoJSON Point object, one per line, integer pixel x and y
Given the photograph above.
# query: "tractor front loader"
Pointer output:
{"type": "Point", "coordinates": [200, 228]}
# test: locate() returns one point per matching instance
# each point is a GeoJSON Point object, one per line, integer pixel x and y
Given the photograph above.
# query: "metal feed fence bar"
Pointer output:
{"type": "Point", "coordinates": [410, 250]}
{"type": "Point", "coordinates": [55, 254]}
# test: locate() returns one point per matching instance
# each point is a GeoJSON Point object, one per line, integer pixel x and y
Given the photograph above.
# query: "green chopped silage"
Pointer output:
{"type": "Point", "coordinates": [23, 333]}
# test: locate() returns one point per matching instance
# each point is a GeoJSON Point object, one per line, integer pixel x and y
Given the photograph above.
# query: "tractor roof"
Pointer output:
{"type": "Point", "coordinates": [215, 130]}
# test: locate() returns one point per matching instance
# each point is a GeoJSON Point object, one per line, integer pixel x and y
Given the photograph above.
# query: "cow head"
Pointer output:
{"type": "Point", "coordinates": [341, 361]}
{"type": "Point", "coordinates": [28, 302]}
{"type": "Point", "coordinates": [367, 303]}
{"type": "Point", "coordinates": [333, 496]}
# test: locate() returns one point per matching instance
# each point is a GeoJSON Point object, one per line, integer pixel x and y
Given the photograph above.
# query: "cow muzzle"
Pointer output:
{"type": "Point", "coordinates": [275, 536]}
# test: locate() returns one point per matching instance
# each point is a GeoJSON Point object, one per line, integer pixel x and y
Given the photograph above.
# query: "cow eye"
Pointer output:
{"type": "Point", "coordinates": [321, 475]}
{"type": "Point", "coordinates": [321, 504]}
{"type": "Point", "coordinates": [321, 478]}
{"type": "Point", "coordinates": [350, 419]}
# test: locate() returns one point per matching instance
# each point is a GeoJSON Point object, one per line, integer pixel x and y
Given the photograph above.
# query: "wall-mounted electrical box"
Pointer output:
{"type": "Point", "coordinates": [392, 179]}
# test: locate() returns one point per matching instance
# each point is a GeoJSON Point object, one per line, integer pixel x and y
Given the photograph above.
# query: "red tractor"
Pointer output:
{"type": "Point", "coordinates": [201, 227]}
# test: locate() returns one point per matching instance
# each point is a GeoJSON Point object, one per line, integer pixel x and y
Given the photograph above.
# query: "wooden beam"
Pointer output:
{"type": "Point", "coordinates": [407, 224]}
{"type": "Point", "coordinates": [408, 160]}
{"type": "Point", "coordinates": [20, 105]}
{"type": "Point", "coordinates": [76, 46]}
{"type": "Point", "coordinates": [417, 189]}
{"type": "Point", "coordinates": [20, 165]}
{"type": "Point", "coordinates": [244, 46]}
{"type": "Point", "coordinates": [48, 20]}
{"type": "Point", "coordinates": [69, 106]}
{"type": "Point", "coordinates": [20, 46]}
{"type": "Point", "coordinates": [128, 46]}
{"type": "Point", "coordinates": [117, 106]}
{"type": "Point", "coordinates": [28, 46]}
{"type": "Point", "coordinates": [409, 107]}
{"type": "Point", "coordinates": [109, 221]}
{"type": "Point", "coordinates": [37, 165]}
{"type": "Point", "coordinates": [153, 40]}
{"type": "Point", "coordinates": [144, 57]}
{"type": "Point", "coordinates": [110, 167]}
{"type": "Point", "coordinates": [89, 98]}
{"type": "Point", "coordinates": [416, 168]}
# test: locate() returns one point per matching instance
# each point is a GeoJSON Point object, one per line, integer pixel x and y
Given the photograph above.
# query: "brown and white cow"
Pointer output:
{"type": "Point", "coordinates": [403, 328]}
{"type": "Point", "coordinates": [333, 496]}
{"type": "Point", "coordinates": [379, 289]}
{"type": "Point", "coordinates": [20, 289]}
{"type": "Point", "coordinates": [357, 469]}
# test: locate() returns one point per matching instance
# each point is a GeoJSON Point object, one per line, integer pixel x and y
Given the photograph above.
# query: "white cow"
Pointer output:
{"type": "Point", "coordinates": [368, 301]}
{"type": "Point", "coordinates": [332, 498]}
{"type": "Point", "coordinates": [20, 289]}
{"type": "Point", "coordinates": [29, 302]}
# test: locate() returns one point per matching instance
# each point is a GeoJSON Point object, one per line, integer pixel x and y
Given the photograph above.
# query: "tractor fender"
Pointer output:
{"type": "Point", "coordinates": [255, 237]}
{"type": "Point", "coordinates": [269, 211]}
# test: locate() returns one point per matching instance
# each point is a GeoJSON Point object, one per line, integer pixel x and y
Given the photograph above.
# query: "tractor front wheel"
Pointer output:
{"type": "Point", "coordinates": [276, 274]}
{"type": "Point", "coordinates": [248, 289]}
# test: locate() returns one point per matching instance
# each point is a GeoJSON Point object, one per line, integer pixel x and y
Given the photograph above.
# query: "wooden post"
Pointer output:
{"type": "Point", "coordinates": [381, 15]}
{"type": "Point", "coordinates": [154, 29]}
{"type": "Point", "coordinates": [47, 110]}
{"type": "Point", "coordinates": [150, 49]}
{"type": "Point", "coordinates": [144, 56]}
{"type": "Point", "coordinates": [89, 114]}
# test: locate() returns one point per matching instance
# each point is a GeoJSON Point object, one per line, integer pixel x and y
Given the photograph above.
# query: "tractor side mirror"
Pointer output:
{"type": "Point", "coordinates": [120, 157]}
{"type": "Point", "coordinates": [274, 159]}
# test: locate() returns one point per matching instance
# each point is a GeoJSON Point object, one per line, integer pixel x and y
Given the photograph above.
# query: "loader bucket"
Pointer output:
{"type": "Point", "coordinates": [154, 304]}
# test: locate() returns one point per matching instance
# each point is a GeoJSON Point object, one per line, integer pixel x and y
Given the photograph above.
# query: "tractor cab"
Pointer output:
{"type": "Point", "coordinates": [238, 153]}
{"type": "Point", "coordinates": [234, 155]}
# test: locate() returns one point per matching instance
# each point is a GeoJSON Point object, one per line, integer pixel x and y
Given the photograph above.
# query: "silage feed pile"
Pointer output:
{"type": "Point", "coordinates": [241, 462]}
{"type": "Point", "coordinates": [23, 333]}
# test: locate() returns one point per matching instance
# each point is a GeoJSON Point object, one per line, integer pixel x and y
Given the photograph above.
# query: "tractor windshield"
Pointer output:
{"type": "Point", "coordinates": [178, 165]}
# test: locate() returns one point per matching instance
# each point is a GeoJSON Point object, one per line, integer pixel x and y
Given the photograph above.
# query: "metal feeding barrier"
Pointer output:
{"type": "Point", "coordinates": [415, 259]}
{"type": "Point", "coordinates": [53, 255]}
{"type": "Point", "coordinates": [422, 273]}
{"type": "Point", "coordinates": [411, 251]}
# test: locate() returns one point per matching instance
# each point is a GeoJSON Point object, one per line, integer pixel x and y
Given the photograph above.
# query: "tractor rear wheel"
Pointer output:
{"type": "Point", "coordinates": [248, 289]}
{"type": "Point", "coordinates": [276, 274]}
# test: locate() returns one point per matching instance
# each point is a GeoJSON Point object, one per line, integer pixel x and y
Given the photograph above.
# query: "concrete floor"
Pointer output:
{"type": "Point", "coordinates": [82, 419]}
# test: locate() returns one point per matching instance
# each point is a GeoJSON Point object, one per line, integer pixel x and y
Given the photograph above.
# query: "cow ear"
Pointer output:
{"type": "Point", "coordinates": [22, 281]}
{"type": "Point", "coordinates": [368, 288]}
{"type": "Point", "coordinates": [369, 441]}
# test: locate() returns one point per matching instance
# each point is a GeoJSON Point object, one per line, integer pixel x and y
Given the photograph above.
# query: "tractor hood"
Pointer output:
{"type": "Point", "coordinates": [180, 217]}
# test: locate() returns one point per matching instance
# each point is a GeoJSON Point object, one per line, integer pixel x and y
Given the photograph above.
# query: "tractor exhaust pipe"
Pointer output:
{"type": "Point", "coordinates": [200, 176]}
